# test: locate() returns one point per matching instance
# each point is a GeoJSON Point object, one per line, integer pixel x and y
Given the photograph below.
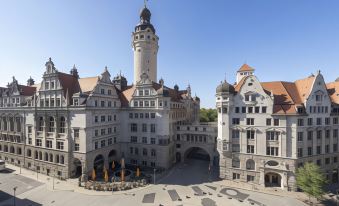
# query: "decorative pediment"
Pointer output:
{"type": "Point", "coordinates": [105, 76]}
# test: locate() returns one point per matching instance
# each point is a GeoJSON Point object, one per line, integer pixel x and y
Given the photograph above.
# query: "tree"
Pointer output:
{"type": "Point", "coordinates": [311, 180]}
{"type": "Point", "coordinates": [208, 115]}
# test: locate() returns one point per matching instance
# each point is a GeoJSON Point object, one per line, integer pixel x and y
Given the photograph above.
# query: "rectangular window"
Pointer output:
{"type": "Point", "coordinates": [300, 136]}
{"type": "Point", "coordinates": [250, 110]}
{"type": "Point", "coordinates": [309, 151]}
{"type": "Point", "coordinates": [250, 149]}
{"type": "Point", "coordinates": [268, 122]}
{"type": "Point", "coordinates": [237, 110]}
{"type": "Point", "coordinates": [60, 145]}
{"type": "Point", "coordinates": [250, 134]}
{"type": "Point", "coordinates": [250, 121]}
{"type": "Point", "coordinates": [300, 152]}
{"type": "Point", "coordinates": [134, 139]}
{"type": "Point", "coordinates": [235, 134]}
{"type": "Point", "coordinates": [257, 109]}
{"type": "Point", "coordinates": [134, 127]}
{"type": "Point", "coordinates": [152, 140]}
{"type": "Point", "coordinates": [102, 103]}
{"type": "Point", "coordinates": [38, 142]}
{"type": "Point", "coordinates": [49, 144]}
{"type": "Point", "coordinates": [276, 122]}
{"type": "Point", "coordinates": [309, 121]}
{"type": "Point", "coordinates": [250, 178]}
{"type": "Point", "coordinates": [300, 122]}
{"type": "Point", "coordinates": [263, 109]}
{"type": "Point", "coordinates": [153, 128]}
{"type": "Point", "coordinates": [243, 109]}
{"type": "Point", "coordinates": [144, 140]}
{"type": "Point", "coordinates": [310, 135]}
{"type": "Point", "coordinates": [76, 147]}
{"type": "Point", "coordinates": [272, 151]}
{"type": "Point", "coordinates": [236, 121]}
{"type": "Point", "coordinates": [102, 143]}
{"type": "Point", "coordinates": [319, 121]}
{"type": "Point", "coordinates": [144, 127]}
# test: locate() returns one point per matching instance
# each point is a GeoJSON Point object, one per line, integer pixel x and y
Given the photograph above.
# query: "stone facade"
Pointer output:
{"type": "Point", "coordinates": [268, 129]}
{"type": "Point", "coordinates": [67, 126]}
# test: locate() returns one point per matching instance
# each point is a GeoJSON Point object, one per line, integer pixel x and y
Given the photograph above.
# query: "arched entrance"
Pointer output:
{"type": "Point", "coordinates": [272, 179]}
{"type": "Point", "coordinates": [77, 167]}
{"type": "Point", "coordinates": [98, 163]}
{"type": "Point", "coordinates": [197, 153]}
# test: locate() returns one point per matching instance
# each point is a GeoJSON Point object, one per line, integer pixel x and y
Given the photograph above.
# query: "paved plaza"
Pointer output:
{"type": "Point", "coordinates": [186, 184]}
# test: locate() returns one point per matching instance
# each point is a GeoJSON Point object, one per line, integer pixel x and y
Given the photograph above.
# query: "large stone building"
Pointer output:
{"type": "Point", "coordinates": [66, 125]}
{"type": "Point", "coordinates": [266, 130]}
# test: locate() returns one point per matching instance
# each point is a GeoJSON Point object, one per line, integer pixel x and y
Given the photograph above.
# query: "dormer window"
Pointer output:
{"type": "Point", "coordinates": [52, 85]}
{"type": "Point", "coordinates": [141, 93]}
{"type": "Point", "coordinates": [102, 91]}
{"type": "Point", "coordinates": [318, 98]}
{"type": "Point", "coordinates": [76, 102]}
{"type": "Point", "coordinates": [146, 92]}
{"type": "Point", "coordinates": [250, 97]}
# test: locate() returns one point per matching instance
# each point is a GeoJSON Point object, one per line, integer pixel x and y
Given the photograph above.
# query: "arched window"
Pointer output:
{"type": "Point", "coordinates": [62, 160]}
{"type": "Point", "coordinates": [18, 124]}
{"type": "Point", "coordinates": [19, 151]}
{"type": "Point", "coordinates": [250, 164]}
{"type": "Point", "coordinates": [36, 155]}
{"type": "Point", "coordinates": [40, 155]}
{"type": "Point", "coordinates": [236, 162]}
{"type": "Point", "coordinates": [45, 156]}
{"type": "Point", "coordinates": [5, 148]}
{"type": "Point", "coordinates": [56, 158]}
{"type": "Point", "coordinates": [11, 124]}
{"type": "Point", "coordinates": [12, 150]}
{"type": "Point", "coordinates": [5, 123]}
{"type": "Point", "coordinates": [29, 152]}
{"type": "Point", "coordinates": [0, 147]}
{"type": "Point", "coordinates": [51, 124]}
{"type": "Point", "coordinates": [41, 124]}
{"type": "Point", "coordinates": [62, 128]}
{"type": "Point", "coordinates": [51, 157]}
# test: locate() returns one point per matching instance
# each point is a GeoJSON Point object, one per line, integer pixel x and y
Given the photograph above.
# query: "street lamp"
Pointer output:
{"type": "Point", "coordinates": [154, 175]}
{"type": "Point", "coordinates": [14, 189]}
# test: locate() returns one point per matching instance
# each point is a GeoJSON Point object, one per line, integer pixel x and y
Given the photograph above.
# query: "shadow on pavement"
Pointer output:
{"type": "Point", "coordinates": [8, 200]}
{"type": "Point", "coordinates": [193, 171]}
{"type": "Point", "coordinates": [7, 171]}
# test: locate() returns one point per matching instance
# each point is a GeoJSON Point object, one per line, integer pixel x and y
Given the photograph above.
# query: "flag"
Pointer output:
{"type": "Point", "coordinates": [138, 172]}
{"type": "Point", "coordinates": [93, 175]}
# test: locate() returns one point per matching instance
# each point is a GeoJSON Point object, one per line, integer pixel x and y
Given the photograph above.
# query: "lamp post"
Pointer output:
{"type": "Point", "coordinates": [14, 189]}
{"type": "Point", "coordinates": [154, 175]}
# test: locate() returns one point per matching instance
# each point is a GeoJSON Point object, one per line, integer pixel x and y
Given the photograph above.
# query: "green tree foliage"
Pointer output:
{"type": "Point", "coordinates": [311, 180]}
{"type": "Point", "coordinates": [208, 115]}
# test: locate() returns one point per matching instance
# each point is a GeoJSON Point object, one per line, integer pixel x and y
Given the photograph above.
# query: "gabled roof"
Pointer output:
{"type": "Point", "coordinates": [27, 90]}
{"type": "Point", "coordinates": [333, 91]}
{"type": "Point", "coordinates": [69, 84]}
{"type": "Point", "coordinates": [287, 95]}
{"type": "Point", "coordinates": [304, 87]}
{"type": "Point", "coordinates": [126, 95]}
{"type": "Point", "coordinates": [88, 84]}
{"type": "Point", "coordinates": [245, 67]}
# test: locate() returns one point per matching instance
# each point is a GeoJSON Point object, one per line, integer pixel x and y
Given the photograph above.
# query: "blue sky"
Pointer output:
{"type": "Point", "coordinates": [200, 41]}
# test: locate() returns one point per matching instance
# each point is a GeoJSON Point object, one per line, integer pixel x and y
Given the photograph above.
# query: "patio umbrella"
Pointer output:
{"type": "Point", "coordinates": [138, 172]}
{"type": "Point", "coordinates": [122, 175]}
{"type": "Point", "coordinates": [93, 175]}
{"type": "Point", "coordinates": [105, 175]}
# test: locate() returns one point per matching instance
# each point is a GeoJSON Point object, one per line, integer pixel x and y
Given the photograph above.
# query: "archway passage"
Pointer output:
{"type": "Point", "coordinates": [272, 180]}
{"type": "Point", "coordinates": [197, 153]}
{"type": "Point", "coordinates": [77, 167]}
{"type": "Point", "coordinates": [98, 163]}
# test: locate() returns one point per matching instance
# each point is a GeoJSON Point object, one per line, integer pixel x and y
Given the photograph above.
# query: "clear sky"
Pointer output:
{"type": "Point", "coordinates": [200, 41]}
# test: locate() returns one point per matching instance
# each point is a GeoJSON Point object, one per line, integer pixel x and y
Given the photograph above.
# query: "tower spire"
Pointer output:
{"type": "Point", "coordinates": [145, 3]}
